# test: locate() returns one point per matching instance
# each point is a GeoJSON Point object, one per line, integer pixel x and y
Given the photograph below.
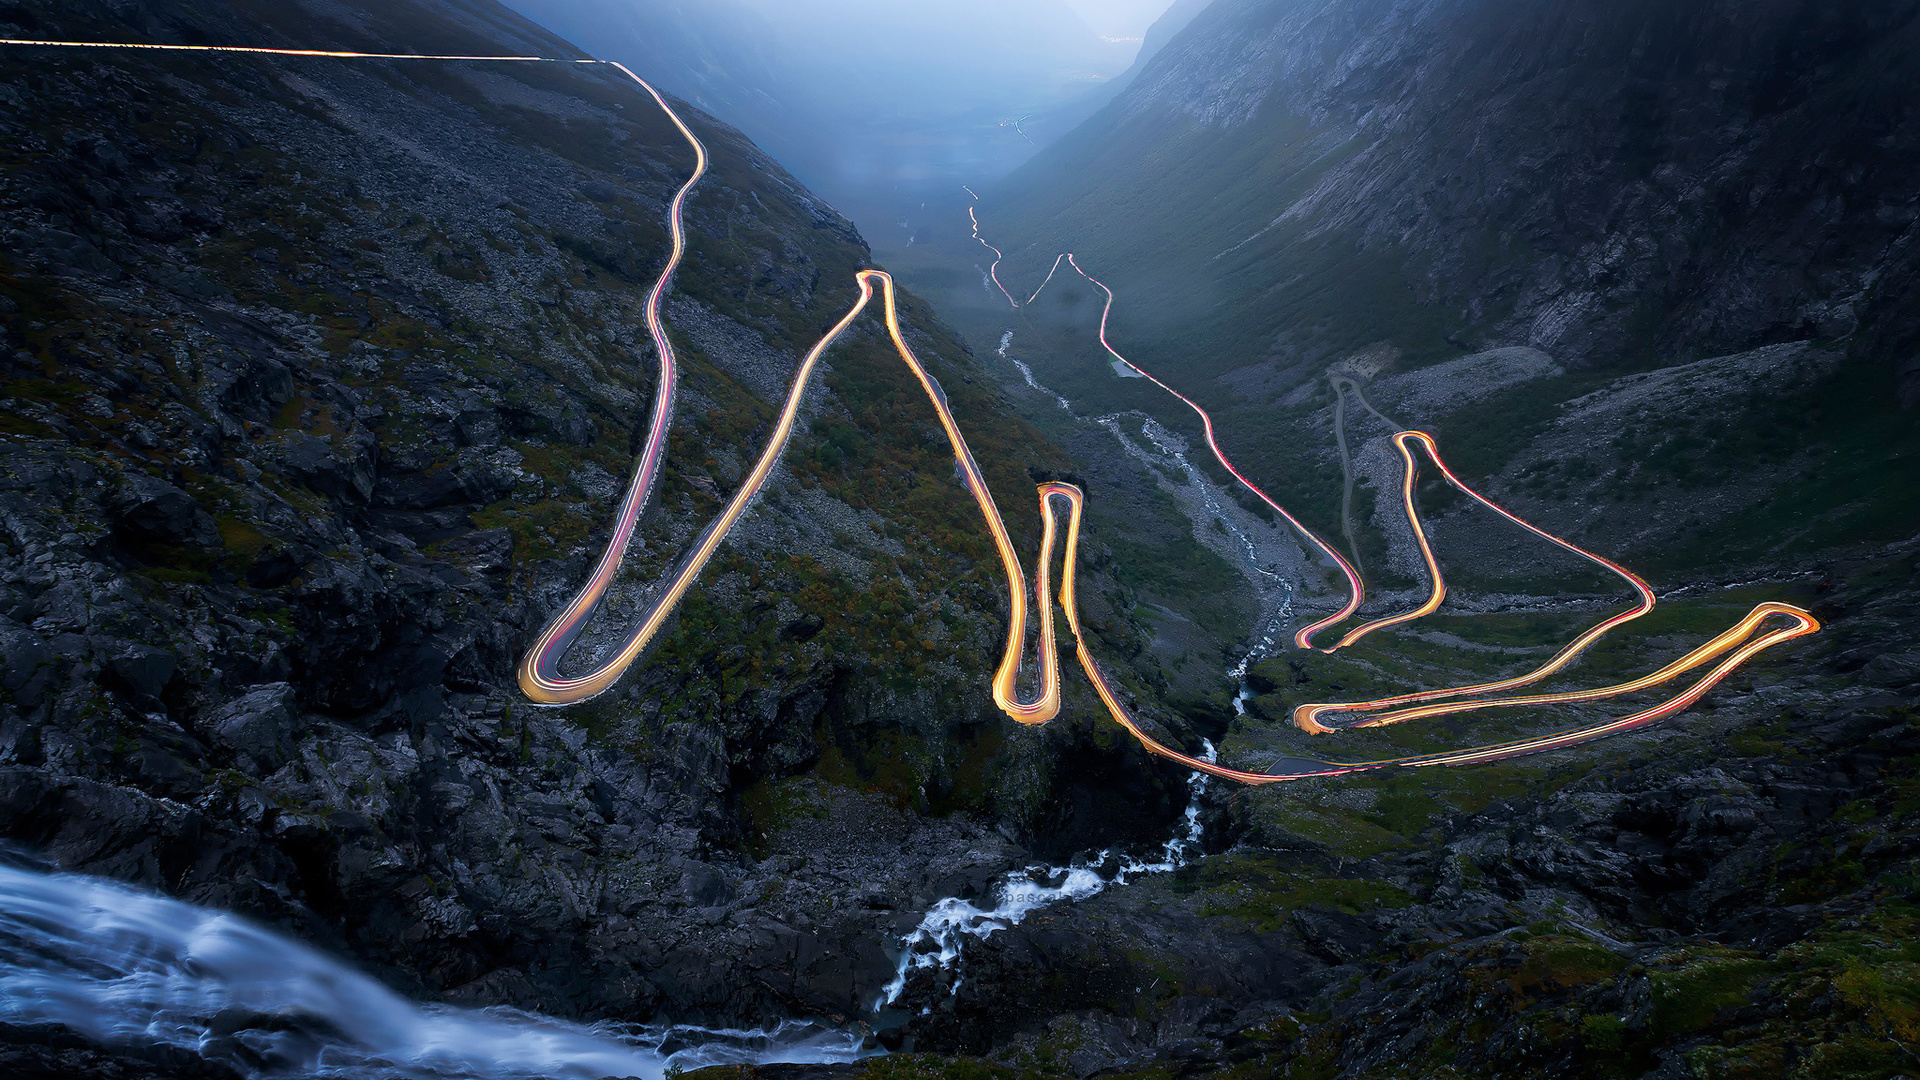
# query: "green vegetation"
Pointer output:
{"type": "Point", "coordinates": [1687, 999]}
{"type": "Point", "coordinates": [1264, 889]}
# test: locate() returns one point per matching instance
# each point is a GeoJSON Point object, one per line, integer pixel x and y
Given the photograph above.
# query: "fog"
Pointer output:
{"type": "Point", "coordinates": [1118, 18]}
{"type": "Point", "coordinates": [942, 57]}
{"type": "Point", "coordinates": [865, 100]}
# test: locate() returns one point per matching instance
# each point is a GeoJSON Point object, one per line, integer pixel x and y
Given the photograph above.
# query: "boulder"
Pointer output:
{"type": "Point", "coordinates": [260, 726]}
{"type": "Point", "coordinates": [143, 672]}
{"type": "Point", "coordinates": [153, 509]}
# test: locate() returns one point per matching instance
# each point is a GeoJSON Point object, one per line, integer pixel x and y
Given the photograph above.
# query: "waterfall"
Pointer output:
{"type": "Point", "coordinates": [126, 967]}
{"type": "Point", "coordinates": [935, 942]}
{"type": "Point", "coordinates": [1005, 352]}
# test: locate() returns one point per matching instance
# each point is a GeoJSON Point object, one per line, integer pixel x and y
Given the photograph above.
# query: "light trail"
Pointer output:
{"type": "Point", "coordinates": [541, 682]}
{"type": "Point", "coordinates": [994, 270]}
{"type": "Point", "coordinates": [1736, 644]}
{"type": "Point", "coordinates": [332, 54]}
{"type": "Point", "coordinates": [1054, 269]}
{"type": "Point", "coordinates": [1356, 591]}
{"type": "Point", "coordinates": [539, 675]}
{"type": "Point", "coordinates": [1042, 708]}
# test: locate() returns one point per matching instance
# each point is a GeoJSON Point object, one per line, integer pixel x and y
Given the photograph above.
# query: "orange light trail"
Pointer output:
{"type": "Point", "coordinates": [1737, 641]}
{"type": "Point", "coordinates": [1307, 716]}
{"type": "Point", "coordinates": [1356, 591]}
{"type": "Point", "coordinates": [541, 682]}
{"type": "Point", "coordinates": [539, 674]}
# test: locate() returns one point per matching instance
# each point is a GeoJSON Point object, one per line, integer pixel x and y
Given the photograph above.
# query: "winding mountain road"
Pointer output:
{"type": "Point", "coordinates": [540, 678]}
{"type": "Point", "coordinates": [1737, 645]}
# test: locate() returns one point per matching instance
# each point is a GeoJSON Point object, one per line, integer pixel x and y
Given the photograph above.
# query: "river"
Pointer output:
{"type": "Point", "coordinates": [126, 967]}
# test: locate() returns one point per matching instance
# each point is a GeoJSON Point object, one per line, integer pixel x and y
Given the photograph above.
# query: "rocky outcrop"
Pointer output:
{"type": "Point", "coordinates": [1728, 895]}
{"type": "Point", "coordinates": [320, 382]}
{"type": "Point", "coordinates": [1598, 180]}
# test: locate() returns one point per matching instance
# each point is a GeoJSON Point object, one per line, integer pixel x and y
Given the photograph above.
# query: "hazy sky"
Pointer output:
{"type": "Point", "coordinates": [1120, 18]}
{"type": "Point", "coordinates": [1109, 18]}
{"type": "Point", "coordinates": [864, 96]}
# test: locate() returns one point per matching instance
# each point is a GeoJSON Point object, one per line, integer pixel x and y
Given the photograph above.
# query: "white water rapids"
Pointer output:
{"type": "Point", "coordinates": [126, 967]}
{"type": "Point", "coordinates": [1276, 592]}
{"type": "Point", "coordinates": [935, 943]}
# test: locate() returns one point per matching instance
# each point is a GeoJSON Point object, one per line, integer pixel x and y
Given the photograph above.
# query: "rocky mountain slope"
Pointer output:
{"type": "Point", "coordinates": [1596, 180]}
{"type": "Point", "coordinates": [321, 379]}
{"type": "Point", "coordinates": [1622, 186]}
{"type": "Point", "coordinates": [1647, 272]}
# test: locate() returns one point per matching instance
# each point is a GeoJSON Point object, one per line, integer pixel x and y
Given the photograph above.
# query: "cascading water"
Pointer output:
{"type": "Point", "coordinates": [1005, 352]}
{"type": "Point", "coordinates": [1276, 591]}
{"type": "Point", "coordinates": [1169, 446]}
{"type": "Point", "coordinates": [125, 967]}
{"type": "Point", "coordinates": [935, 942]}
{"type": "Point", "coordinates": [1263, 647]}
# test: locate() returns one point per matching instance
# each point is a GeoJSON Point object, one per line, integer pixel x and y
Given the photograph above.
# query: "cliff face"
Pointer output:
{"type": "Point", "coordinates": [1295, 186]}
{"type": "Point", "coordinates": [1605, 181]}
{"type": "Point", "coordinates": [1647, 273]}
{"type": "Point", "coordinates": [321, 380]}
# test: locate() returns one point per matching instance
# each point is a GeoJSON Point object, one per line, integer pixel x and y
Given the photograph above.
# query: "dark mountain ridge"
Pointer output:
{"type": "Point", "coordinates": [321, 380]}
{"type": "Point", "coordinates": [1600, 180]}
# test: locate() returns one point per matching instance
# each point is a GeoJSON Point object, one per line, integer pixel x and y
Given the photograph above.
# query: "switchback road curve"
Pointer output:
{"type": "Point", "coordinates": [539, 674]}
{"type": "Point", "coordinates": [1738, 644]}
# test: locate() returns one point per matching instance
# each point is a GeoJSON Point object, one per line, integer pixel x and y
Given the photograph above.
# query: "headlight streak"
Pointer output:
{"type": "Point", "coordinates": [994, 270]}
{"type": "Point", "coordinates": [541, 682]}
{"type": "Point", "coordinates": [539, 676]}
{"type": "Point", "coordinates": [1356, 591]}
{"type": "Point", "coordinates": [1734, 644]}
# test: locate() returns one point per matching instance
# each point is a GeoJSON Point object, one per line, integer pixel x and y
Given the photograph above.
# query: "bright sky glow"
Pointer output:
{"type": "Point", "coordinates": [1119, 18]}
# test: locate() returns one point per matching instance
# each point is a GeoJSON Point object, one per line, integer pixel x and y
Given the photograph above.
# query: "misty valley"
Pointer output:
{"type": "Point", "coordinates": [1044, 540]}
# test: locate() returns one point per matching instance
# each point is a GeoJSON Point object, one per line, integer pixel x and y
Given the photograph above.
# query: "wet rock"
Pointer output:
{"type": "Point", "coordinates": [143, 671]}
{"type": "Point", "coordinates": [260, 726]}
{"type": "Point", "coordinates": [55, 1053]}
{"type": "Point", "coordinates": [155, 510]}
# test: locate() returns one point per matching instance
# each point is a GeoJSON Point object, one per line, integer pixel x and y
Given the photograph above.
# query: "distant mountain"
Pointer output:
{"type": "Point", "coordinates": [856, 95]}
{"type": "Point", "coordinates": [1053, 123]}
{"type": "Point", "coordinates": [1621, 185]}
{"type": "Point", "coordinates": [1595, 178]}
